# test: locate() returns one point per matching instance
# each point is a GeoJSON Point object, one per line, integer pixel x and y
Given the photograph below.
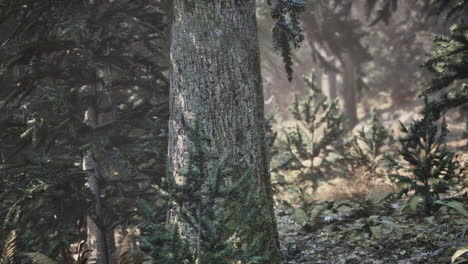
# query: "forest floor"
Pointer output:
{"type": "Point", "coordinates": [377, 238]}
{"type": "Point", "coordinates": [352, 231]}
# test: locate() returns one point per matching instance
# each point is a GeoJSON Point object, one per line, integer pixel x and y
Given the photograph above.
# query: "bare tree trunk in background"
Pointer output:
{"type": "Point", "coordinates": [216, 79]}
{"type": "Point", "coordinates": [298, 86]}
{"type": "Point", "coordinates": [332, 82]}
{"type": "Point", "coordinates": [318, 79]}
{"type": "Point", "coordinates": [349, 89]}
{"type": "Point", "coordinates": [100, 239]}
{"type": "Point", "coordinates": [168, 7]}
{"type": "Point", "coordinates": [96, 239]}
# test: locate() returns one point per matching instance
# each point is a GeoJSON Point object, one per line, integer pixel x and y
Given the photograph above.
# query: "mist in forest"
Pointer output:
{"type": "Point", "coordinates": [233, 132]}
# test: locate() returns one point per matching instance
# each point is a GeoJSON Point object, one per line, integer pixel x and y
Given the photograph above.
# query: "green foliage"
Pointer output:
{"type": "Point", "coordinates": [216, 215]}
{"type": "Point", "coordinates": [62, 58]}
{"type": "Point", "coordinates": [308, 151]}
{"type": "Point", "coordinates": [447, 60]}
{"type": "Point", "coordinates": [429, 162]}
{"type": "Point", "coordinates": [287, 31]}
{"type": "Point", "coordinates": [157, 239]}
{"type": "Point", "coordinates": [457, 206]}
{"type": "Point", "coordinates": [367, 149]}
{"type": "Point", "coordinates": [319, 126]}
{"type": "Point", "coordinates": [449, 63]}
{"type": "Point", "coordinates": [312, 217]}
{"type": "Point", "coordinates": [413, 240]}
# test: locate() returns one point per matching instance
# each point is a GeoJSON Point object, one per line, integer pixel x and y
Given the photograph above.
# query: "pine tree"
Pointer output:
{"type": "Point", "coordinates": [222, 214]}
{"type": "Point", "coordinates": [430, 164]}
{"type": "Point", "coordinates": [449, 64]}
{"type": "Point", "coordinates": [371, 144]}
{"type": "Point", "coordinates": [320, 124]}
{"type": "Point", "coordinates": [330, 28]}
{"type": "Point", "coordinates": [47, 71]}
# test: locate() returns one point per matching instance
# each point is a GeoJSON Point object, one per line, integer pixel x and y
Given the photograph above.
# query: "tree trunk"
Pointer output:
{"type": "Point", "coordinates": [100, 239]}
{"type": "Point", "coordinates": [332, 83]}
{"type": "Point", "coordinates": [349, 89]}
{"type": "Point", "coordinates": [319, 79]}
{"type": "Point", "coordinates": [96, 239]}
{"type": "Point", "coordinates": [216, 79]}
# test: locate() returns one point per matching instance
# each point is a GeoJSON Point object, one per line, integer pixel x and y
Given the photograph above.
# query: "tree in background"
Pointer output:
{"type": "Point", "coordinates": [447, 59]}
{"type": "Point", "coordinates": [309, 146]}
{"type": "Point", "coordinates": [431, 166]}
{"type": "Point", "coordinates": [84, 111]}
{"type": "Point", "coordinates": [332, 33]}
{"type": "Point", "coordinates": [406, 33]}
{"type": "Point", "coordinates": [335, 36]}
{"type": "Point", "coordinates": [278, 22]}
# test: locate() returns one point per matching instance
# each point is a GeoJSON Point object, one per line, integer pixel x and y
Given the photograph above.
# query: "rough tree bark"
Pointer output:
{"type": "Point", "coordinates": [216, 79]}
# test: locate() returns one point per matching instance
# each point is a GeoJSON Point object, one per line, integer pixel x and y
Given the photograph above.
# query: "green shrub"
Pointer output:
{"type": "Point", "coordinates": [319, 125]}
{"type": "Point", "coordinates": [430, 168]}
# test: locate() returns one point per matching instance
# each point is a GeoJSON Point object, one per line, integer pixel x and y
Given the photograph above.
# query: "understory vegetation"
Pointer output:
{"type": "Point", "coordinates": [361, 156]}
{"type": "Point", "coordinates": [385, 197]}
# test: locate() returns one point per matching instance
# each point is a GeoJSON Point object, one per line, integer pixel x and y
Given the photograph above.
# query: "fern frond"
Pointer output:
{"type": "Point", "coordinates": [83, 253]}
{"type": "Point", "coordinates": [129, 252]}
{"type": "Point", "coordinates": [9, 248]}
